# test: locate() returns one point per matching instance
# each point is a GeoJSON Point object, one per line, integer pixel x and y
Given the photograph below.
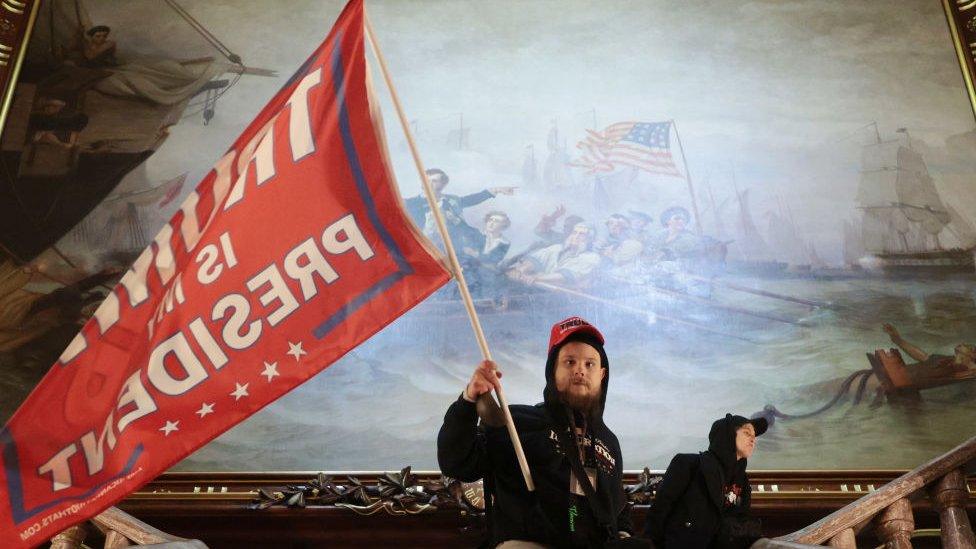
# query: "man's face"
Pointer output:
{"type": "Point", "coordinates": [437, 182]}
{"type": "Point", "coordinates": [494, 224]}
{"type": "Point", "coordinates": [579, 237]}
{"type": "Point", "coordinates": [616, 226]}
{"type": "Point", "coordinates": [99, 37]}
{"type": "Point", "coordinates": [745, 441]}
{"type": "Point", "coordinates": [579, 375]}
{"type": "Point", "coordinates": [677, 223]}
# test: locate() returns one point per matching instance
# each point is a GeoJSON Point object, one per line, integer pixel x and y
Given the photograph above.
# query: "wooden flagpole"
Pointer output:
{"type": "Point", "coordinates": [691, 188]}
{"type": "Point", "coordinates": [451, 254]}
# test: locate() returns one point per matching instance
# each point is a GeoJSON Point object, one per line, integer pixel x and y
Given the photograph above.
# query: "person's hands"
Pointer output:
{"type": "Point", "coordinates": [484, 379]}
{"type": "Point", "coordinates": [520, 275]}
{"type": "Point", "coordinates": [891, 331]}
{"type": "Point", "coordinates": [502, 190]}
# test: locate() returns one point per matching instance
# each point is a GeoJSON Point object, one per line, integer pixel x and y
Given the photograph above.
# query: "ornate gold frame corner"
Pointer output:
{"type": "Point", "coordinates": [16, 23]}
{"type": "Point", "coordinates": [961, 17]}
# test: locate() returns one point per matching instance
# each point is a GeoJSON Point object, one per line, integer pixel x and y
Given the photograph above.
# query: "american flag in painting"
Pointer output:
{"type": "Point", "coordinates": [643, 145]}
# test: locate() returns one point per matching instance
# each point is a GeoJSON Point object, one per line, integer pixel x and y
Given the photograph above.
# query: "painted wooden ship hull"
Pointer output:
{"type": "Point", "coordinates": [47, 188]}
{"type": "Point", "coordinates": [919, 263]}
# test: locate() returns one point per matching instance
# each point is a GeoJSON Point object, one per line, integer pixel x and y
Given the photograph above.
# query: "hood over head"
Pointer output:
{"type": "Point", "coordinates": [573, 329]}
{"type": "Point", "coordinates": [721, 441]}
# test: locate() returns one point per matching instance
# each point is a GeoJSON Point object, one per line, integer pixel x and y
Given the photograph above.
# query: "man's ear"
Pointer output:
{"type": "Point", "coordinates": [604, 375]}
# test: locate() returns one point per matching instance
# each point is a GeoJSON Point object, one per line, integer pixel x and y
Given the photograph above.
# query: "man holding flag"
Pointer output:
{"type": "Point", "coordinates": [292, 251]}
{"type": "Point", "coordinates": [574, 457]}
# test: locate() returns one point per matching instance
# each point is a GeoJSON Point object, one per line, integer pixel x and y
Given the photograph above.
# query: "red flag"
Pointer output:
{"type": "Point", "coordinates": [291, 252]}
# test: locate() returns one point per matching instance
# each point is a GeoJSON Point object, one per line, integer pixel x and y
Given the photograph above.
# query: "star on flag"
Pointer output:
{"type": "Point", "coordinates": [270, 370]}
{"type": "Point", "coordinates": [295, 350]}
{"type": "Point", "coordinates": [170, 427]}
{"type": "Point", "coordinates": [205, 409]}
{"type": "Point", "coordinates": [240, 391]}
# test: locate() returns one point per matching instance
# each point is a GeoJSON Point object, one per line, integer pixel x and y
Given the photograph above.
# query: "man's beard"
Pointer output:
{"type": "Point", "coordinates": [584, 403]}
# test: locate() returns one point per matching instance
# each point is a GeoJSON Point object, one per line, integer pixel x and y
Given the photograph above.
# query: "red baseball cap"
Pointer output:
{"type": "Point", "coordinates": [572, 325]}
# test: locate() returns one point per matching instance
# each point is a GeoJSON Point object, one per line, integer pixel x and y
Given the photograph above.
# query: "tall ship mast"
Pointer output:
{"type": "Point", "coordinates": [902, 213]}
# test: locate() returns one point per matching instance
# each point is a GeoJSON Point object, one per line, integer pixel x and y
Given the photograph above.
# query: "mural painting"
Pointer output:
{"type": "Point", "coordinates": [777, 221]}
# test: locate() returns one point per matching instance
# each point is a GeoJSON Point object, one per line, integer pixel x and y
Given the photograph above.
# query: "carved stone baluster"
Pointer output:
{"type": "Point", "coordinates": [895, 525]}
{"type": "Point", "coordinates": [70, 538]}
{"type": "Point", "coordinates": [114, 540]}
{"type": "Point", "coordinates": [844, 540]}
{"type": "Point", "coordinates": [949, 496]}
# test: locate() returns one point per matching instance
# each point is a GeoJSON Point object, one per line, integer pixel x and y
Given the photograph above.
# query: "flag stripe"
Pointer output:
{"type": "Point", "coordinates": [643, 145]}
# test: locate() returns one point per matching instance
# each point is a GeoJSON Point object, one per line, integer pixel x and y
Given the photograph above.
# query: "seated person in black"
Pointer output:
{"type": "Point", "coordinates": [703, 499]}
{"type": "Point", "coordinates": [563, 434]}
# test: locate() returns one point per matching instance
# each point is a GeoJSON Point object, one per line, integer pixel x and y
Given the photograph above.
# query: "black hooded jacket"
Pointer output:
{"type": "Point", "coordinates": [700, 492]}
{"type": "Point", "coordinates": [551, 515]}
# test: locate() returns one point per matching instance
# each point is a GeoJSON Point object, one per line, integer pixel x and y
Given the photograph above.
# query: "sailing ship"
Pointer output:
{"type": "Point", "coordinates": [556, 172]}
{"type": "Point", "coordinates": [902, 213]}
{"type": "Point", "coordinates": [80, 122]}
{"type": "Point", "coordinates": [749, 252]}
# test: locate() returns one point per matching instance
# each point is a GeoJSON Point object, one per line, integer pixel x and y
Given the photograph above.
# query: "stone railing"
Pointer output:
{"type": "Point", "coordinates": [889, 509]}
{"type": "Point", "coordinates": [121, 530]}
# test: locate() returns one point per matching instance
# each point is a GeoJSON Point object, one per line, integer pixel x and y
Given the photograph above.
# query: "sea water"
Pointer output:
{"type": "Point", "coordinates": [380, 407]}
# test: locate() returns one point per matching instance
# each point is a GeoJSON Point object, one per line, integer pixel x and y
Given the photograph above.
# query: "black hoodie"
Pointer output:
{"type": "Point", "coordinates": [701, 491]}
{"type": "Point", "coordinates": [551, 515]}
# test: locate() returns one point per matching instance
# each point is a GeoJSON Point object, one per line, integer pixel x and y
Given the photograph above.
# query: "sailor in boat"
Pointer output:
{"type": "Point", "coordinates": [485, 252]}
{"type": "Point", "coordinates": [99, 51]}
{"type": "Point", "coordinates": [620, 250]}
{"type": "Point", "coordinates": [674, 242]}
{"type": "Point", "coordinates": [53, 124]}
{"type": "Point", "coordinates": [574, 457]}
{"type": "Point", "coordinates": [671, 252]}
{"type": "Point", "coordinates": [547, 233]}
{"type": "Point", "coordinates": [640, 224]}
{"type": "Point", "coordinates": [545, 229]}
{"type": "Point", "coordinates": [930, 367]}
{"type": "Point", "coordinates": [571, 263]}
{"type": "Point", "coordinates": [452, 206]}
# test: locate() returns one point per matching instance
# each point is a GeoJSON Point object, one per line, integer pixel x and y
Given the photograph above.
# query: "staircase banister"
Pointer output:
{"type": "Point", "coordinates": [139, 532]}
{"type": "Point", "coordinates": [766, 543]}
{"type": "Point", "coordinates": [185, 544]}
{"type": "Point", "coordinates": [871, 504]}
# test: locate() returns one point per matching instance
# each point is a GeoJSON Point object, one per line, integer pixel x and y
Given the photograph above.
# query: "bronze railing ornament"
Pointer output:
{"type": "Point", "coordinates": [642, 493]}
{"type": "Point", "coordinates": [396, 493]}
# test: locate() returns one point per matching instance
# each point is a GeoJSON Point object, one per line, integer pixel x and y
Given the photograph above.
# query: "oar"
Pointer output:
{"type": "Point", "coordinates": [714, 304]}
{"type": "Point", "coordinates": [641, 312]}
{"type": "Point", "coordinates": [763, 293]}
